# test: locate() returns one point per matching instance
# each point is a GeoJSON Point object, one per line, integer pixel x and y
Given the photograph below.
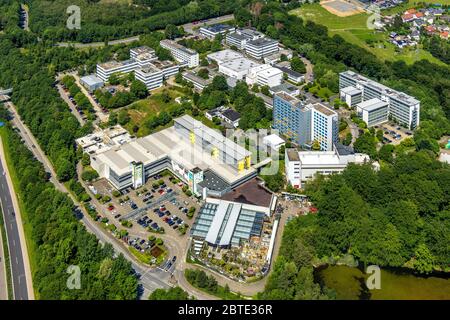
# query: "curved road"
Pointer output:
{"type": "Point", "coordinates": [150, 278]}
{"type": "Point", "coordinates": [188, 27]}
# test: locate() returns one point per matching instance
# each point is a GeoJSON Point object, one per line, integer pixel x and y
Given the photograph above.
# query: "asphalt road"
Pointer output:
{"type": "Point", "coordinates": [188, 27]}
{"type": "Point", "coordinates": [12, 235]}
{"type": "Point", "coordinates": [150, 279]}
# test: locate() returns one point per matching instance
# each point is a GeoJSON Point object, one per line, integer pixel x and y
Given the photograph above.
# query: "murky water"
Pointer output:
{"type": "Point", "coordinates": [349, 284]}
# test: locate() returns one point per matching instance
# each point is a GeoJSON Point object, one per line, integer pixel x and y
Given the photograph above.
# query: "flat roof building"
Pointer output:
{"type": "Point", "coordinates": [301, 166]}
{"type": "Point", "coordinates": [285, 87]}
{"type": "Point", "coordinates": [189, 149]}
{"type": "Point", "coordinates": [91, 82]}
{"type": "Point", "coordinates": [351, 96]}
{"type": "Point", "coordinates": [181, 53]}
{"type": "Point", "coordinates": [292, 118]}
{"type": "Point", "coordinates": [324, 126]}
{"type": "Point", "coordinates": [264, 75]}
{"type": "Point", "coordinates": [260, 48]}
{"type": "Point", "coordinates": [213, 30]}
{"type": "Point", "coordinates": [273, 141]}
{"type": "Point", "coordinates": [304, 123]}
{"type": "Point", "coordinates": [198, 82]}
{"type": "Point", "coordinates": [151, 76]}
{"type": "Point", "coordinates": [105, 70]}
{"type": "Point", "coordinates": [240, 37]}
{"type": "Point", "coordinates": [373, 111]}
{"type": "Point", "coordinates": [402, 108]}
{"type": "Point", "coordinates": [292, 75]}
{"type": "Point", "coordinates": [237, 68]}
{"type": "Point", "coordinates": [224, 56]}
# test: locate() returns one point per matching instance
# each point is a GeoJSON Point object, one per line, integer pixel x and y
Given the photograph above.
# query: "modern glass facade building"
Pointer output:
{"type": "Point", "coordinates": [226, 223]}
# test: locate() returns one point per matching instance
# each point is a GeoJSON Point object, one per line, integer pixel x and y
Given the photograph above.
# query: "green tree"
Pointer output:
{"type": "Point", "coordinates": [298, 65]}
{"type": "Point", "coordinates": [138, 89]}
{"type": "Point", "coordinates": [424, 260]}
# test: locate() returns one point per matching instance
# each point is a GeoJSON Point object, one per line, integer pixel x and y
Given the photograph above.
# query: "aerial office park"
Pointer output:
{"type": "Point", "coordinates": [187, 181]}
{"type": "Point", "coordinates": [210, 175]}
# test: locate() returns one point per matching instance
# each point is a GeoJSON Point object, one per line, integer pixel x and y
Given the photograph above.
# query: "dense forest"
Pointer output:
{"type": "Point", "coordinates": [396, 217]}
{"type": "Point", "coordinates": [440, 48]}
{"type": "Point", "coordinates": [107, 21]}
{"type": "Point", "coordinates": [428, 82]}
{"type": "Point", "coordinates": [59, 240]}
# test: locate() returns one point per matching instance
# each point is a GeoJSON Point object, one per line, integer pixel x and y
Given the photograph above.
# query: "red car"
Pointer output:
{"type": "Point", "coordinates": [111, 208]}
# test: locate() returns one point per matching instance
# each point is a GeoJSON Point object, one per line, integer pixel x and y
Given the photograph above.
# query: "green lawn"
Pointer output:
{"type": "Point", "coordinates": [354, 30]}
{"type": "Point", "coordinates": [412, 4]}
{"type": "Point", "coordinates": [144, 109]}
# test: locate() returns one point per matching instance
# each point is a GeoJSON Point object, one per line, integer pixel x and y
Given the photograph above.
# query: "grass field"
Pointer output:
{"type": "Point", "coordinates": [144, 109]}
{"type": "Point", "coordinates": [412, 4]}
{"type": "Point", "coordinates": [354, 30]}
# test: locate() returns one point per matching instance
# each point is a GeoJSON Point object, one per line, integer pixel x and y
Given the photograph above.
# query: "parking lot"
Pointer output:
{"type": "Point", "coordinates": [160, 207]}
{"type": "Point", "coordinates": [393, 133]}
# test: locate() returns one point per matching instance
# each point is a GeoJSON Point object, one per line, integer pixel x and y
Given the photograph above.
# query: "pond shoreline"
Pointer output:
{"type": "Point", "coordinates": [397, 283]}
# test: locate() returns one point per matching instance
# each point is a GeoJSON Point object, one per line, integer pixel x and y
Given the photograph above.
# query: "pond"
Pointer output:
{"type": "Point", "coordinates": [396, 284]}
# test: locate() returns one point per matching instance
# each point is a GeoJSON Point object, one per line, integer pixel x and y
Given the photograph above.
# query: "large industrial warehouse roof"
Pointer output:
{"type": "Point", "coordinates": [168, 143]}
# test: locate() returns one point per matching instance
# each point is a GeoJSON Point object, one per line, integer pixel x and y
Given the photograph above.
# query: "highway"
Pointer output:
{"type": "Point", "coordinates": [151, 278]}
{"type": "Point", "coordinates": [20, 291]}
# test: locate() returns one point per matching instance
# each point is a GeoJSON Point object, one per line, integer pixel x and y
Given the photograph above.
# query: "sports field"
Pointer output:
{"type": "Point", "coordinates": [354, 30]}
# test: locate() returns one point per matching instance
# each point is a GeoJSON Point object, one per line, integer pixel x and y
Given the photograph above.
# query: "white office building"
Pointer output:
{"type": "Point", "coordinates": [105, 70]}
{"type": "Point", "coordinates": [198, 82]}
{"type": "Point", "coordinates": [151, 76]}
{"type": "Point", "coordinates": [214, 30]}
{"type": "Point", "coordinates": [304, 165]}
{"type": "Point", "coordinates": [351, 96]}
{"type": "Point", "coordinates": [181, 53]}
{"type": "Point", "coordinates": [402, 108]}
{"type": "Point", "coordinates": [134, 52]}
{"type": "Point", "coordinates": [324, 126]}
{"type": "Point", "coordinates": [224, 56]}
{"type": "Point", "coordinates": [237, 68]}
{"type": "Point", "coordinates": [264, 75]}
{"type": "Point", "coordinates": [260, 48]}
{"type": "Point", "coordinates": [373, 111]}
{"type": "Point", "coordinates": [240, 38]}
{"type": "Point", "coordinates": [167, 67]}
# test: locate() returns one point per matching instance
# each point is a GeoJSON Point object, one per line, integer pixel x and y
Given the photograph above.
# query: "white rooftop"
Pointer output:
{"type": "Point", "coordinates": [167, 143]}
{"type": "Point", "coordinates": [372, 104]}
{"type": "Point", "coordinates": [273, 140]}
{"type": "Point", "coordinates": [329, 158]}
{"type": "Point", "coordinates": [224, 55]}
{"type": "Point", "coordinates": [240, 64]}
{"type": "Point", "coordinates": [266, 70]}
{"type": "Point", "coordinates": [351, 90]}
